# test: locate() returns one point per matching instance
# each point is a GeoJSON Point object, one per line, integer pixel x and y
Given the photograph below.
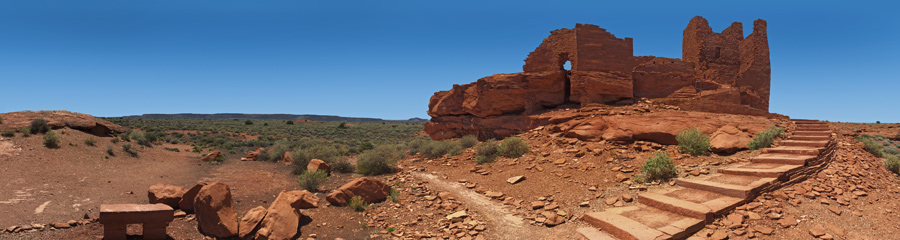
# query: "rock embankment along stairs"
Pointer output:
{"type": "Point", "coordinates": [679, 211]}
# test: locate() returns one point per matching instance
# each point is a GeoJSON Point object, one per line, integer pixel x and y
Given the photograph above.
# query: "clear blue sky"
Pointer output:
{"type": "Point", "coordinates": [833, 61]}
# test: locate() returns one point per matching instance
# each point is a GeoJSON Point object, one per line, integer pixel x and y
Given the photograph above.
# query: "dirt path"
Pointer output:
{"type": "Point", "coordinates": [503, 223]}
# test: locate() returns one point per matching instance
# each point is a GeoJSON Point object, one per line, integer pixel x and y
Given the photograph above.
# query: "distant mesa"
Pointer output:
{"type": "Point", "coordinates": [13, 121]}
{"type": "Point", "coordinates": [719, 72]}
{"type": "Point", "coordinates": [284, 117]}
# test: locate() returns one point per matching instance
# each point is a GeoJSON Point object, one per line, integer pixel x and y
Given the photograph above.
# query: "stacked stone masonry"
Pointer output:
{"type": "Point", "coordinates": [719, 72]}
{"type": "Point", "coordinates": [679, 211]}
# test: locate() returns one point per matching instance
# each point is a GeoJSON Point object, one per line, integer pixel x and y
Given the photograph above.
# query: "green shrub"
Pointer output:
{"type": "Point", "coordinates": [872, 146]}
{"type": "Point", "coordinates": [322, 151]}
{"type": "Point", "coordinates": [417, 145]}
{"type": "Point", "coordinates": [468, 141]}
{"type": "Point", "coordinates": [693, 142]}
{"type": "Point", "coordinates": [394, 195]}
{"type": "Point", "coordinates": [766, 138]}
{"type": "Point", "coordinates": [9, 134]}
{"type": "Point", "coordinates": [512, 147]}
{"type": "Point", "coordinates": [130, 150]}
{"type": "Point", "coordinates": [658, 167]}
{"type": "Point", "coordinates": [39, 126]}
{"type": "Point", "coordinates": [114, 140]}
{"type": "Point", "coordinates": [892, 163]}
{"type": "Point", "coordinates": [90, 141]}
{"type": "Point", "coordinates": [26, 132]}
{"type": "Point", "coordinates": [51, 140]}
{"type": "Point", "coordinates": [248, 122]}
{"type": "Point", "coordinates": [342, 125]}
{"type": "Point", "coordinates": [342, 166]}
{"type": "Point", "coordinates": [289, 122]}
{"type": "Point", "coordinates": [358, 203]}
{"type": "Point", "coordinates": [434, 149]}
{"type": "Point", "coordinates": [379, 160]}
{"type": "Point", "coordinates": [366, 146]}
{"type": "Point", "coordinates": [311, 180]}
{"type": "Point", "coordinates": [110, 150]}
{"type": "Point", "coordinates": [486, 151]}
{"type": "Point", "coordinates": [891, 150]}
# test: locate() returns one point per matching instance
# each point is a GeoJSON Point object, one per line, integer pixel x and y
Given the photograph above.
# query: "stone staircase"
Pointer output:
{"type": "Point", "coordinates": [679, 211]}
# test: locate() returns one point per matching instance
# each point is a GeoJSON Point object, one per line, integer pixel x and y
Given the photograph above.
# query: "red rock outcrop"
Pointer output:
{"type": "Point", "coordinates": [370, 189]}
{"type": "Point", "coordinates": [720, 72]}
{"type": "Point", "coordinates": [13, 121]}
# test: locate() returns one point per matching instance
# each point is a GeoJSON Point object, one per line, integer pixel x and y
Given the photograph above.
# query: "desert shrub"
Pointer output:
{"type": "Point", "coordinates": [433, 149]}
{"type": "Point", "coordinates": [9, 134]}
{"type": "Point", "coordinates": [394, 195]}
{"type": "Point", "coordinates": [486, 151]}
{"type": "Point", "coordinates": [658, 167]}
{"type": "Point", "coordinates": [114, 140]}
{"type": "Point", "coordinates": [130, 150]}
{"type": "Point", "coordinates": [366, 146]}
{"type": "Point", "coordinates": [693, 142]}
{"type": "Point", "coordinates": [892, 163]}
{"type": "Point", "coordinates": [512, 147]}
{"type": "Point", "coordinates": [417, 145]}
{"type": "Point", "coordinates": [39, 126]}
{"type": "Point", "coordinates": [311, 180]}
{"type": "Point", "coordinates": [90, 141]}
{"type": "Point", "coordinates": [325, 152]}
{"type": "Point", "coordinates": [173, 149]}
{"type": "Point", "coordinates": [140, 138]}
{"type": "Point", "coordinates": [26, 132]}
{"type": "Point", "coordinates": [468, 141]}
{"type": "Point", "coordinates": [51, 140]}
{"type": "Point", "coordinates": [379, 160]}
{"type": "Point", "coordinates": [891, 150]}
{"type": "Point", "coordinates": [342, 166]}
{"type": "Point", "coordinates": [110, 150]}
{"type": "Point", "coordinates": [342, 125]}
{"type": "Point", "coordinates": [358, 203]}
{"type": "Point", "coordinates": [248, 122]}
{"type": "Point", "coordinates": [289, 122]}
{"type": "Point", "coordinates": [765, 138]}
{"type": "Point", "coordinates": [871, 145]}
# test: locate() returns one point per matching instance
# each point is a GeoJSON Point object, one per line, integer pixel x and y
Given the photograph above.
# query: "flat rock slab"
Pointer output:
{"type": "Point", "coordinates": [136, 213]}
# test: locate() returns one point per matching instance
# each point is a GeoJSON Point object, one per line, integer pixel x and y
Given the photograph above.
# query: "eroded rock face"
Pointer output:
{"type": "Point", "coordinates": [165, 194]}
{"type": "Point", "coordinates": [370, 189]}
{"type": "Point", "coordinates": [215, 211]}
{"type": "Point", "coordinates": [720, 72]}
{"type": "Point", "coordinates": [283, 216]}
{"type": "Point", "coordinates": [59, 119]}
{"type": "Point", "coordinates": [662, 127]}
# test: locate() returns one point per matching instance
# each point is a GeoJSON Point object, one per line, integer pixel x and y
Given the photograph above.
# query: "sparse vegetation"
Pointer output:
{"type": "Point", "coordinates": [311, 180]}
{"type": "Point", "coordinates": [434, 149]}
{"type": "Point", "coordinates": [766, 138]}
{"type": "Point", "coordinates": [342, 166]}
{"type": "Point", "coordinates": [486, 152]}
{"type": "Point", "coordinates": [39, 126]}
{"type": "Point", "coordinates": [9, 134]}
{"type": "Point", "coordinates": [394, 195]}
{"type": "Point", "coordinates": [51, 140]}
{"type": "Point", "coordinates": [173, 149]}
{"type": "Point", "coordinates": [693, 142]}
{"type": "Point", "coordinates": [468, 141]}
{"type": "Point", "coordinates": [892, 163]}
{"type": "Point", "coordinates": [512, 147]}
{"type": "Point", "coordinates": [110, 150]}
{"type": "Point", "coordinates": [130, 150]}
{"type": "Point", "coordinates": [358, 203]}
{"type": "Point", "coordinates": [871, 145]}
{"type": "Point", "coordinates": [90, 141]}
{"type": "Point", "coordinates": [248, 122]}
{"type": "Point", "coordinates": [379, 160]}
{"type": "Point", "coordinates": [658, 167]}
{"type": "Point", "coordinates": [26, 132]}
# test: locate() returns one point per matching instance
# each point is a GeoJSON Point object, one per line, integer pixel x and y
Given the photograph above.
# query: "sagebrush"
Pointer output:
{"type": "Point", "coordinates": [766, 138]}
{"type": "Point", "coordinates": [51, 140]}
{"type": "Point", "coordinates": [692, 141]}
{"type": "Point", "coordinates": [659, 167]}
{"type": "Point", "coordinates": [311, 180]}
{"type": "Point", "coordinates": [512, 147]}
{"type": "Point", "coordinates": [380, 159]}
{"type": "Point", "coordinates": [486, 152]}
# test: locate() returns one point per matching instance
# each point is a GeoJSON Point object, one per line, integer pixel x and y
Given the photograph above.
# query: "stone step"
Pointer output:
{"type": "Point", "coordinates": [811, 138]}
{"type": "Point", "coordinates": [717, 203]}
{"type": "Point", "coordinates": [781, 158]}
{"type": "Point", "coordinates": [772, 170]}
{"type": "Point", "coordinates": [811, 133]}
{"type": "Point", "coordinates": [793, 150]}
{"type": "Point", "coordinates": [804, 143]}
{"type": "Point", "coordinates": [737, 186]}
{"type": "Point", "coordinates": [643, 222]}
{"type": "Point", "coordinates": [675, 205]}
{"type": "Point", "coordinates": [812, 129]}
{"type": "Point", "coordinates": [805, 121]}
{"type": "Point", "coordinates": [591, 233]}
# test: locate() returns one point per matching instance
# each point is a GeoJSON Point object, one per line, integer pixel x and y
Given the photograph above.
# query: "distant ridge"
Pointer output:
{"type": "Point", "coordinates": [324, 118]}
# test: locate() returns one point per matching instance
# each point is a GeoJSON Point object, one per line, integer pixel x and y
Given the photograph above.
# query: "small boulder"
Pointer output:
{"type": "Point", "coordinates": [287, 159]}
{"type": "Point", "coordinates": [211, 156]}
{"type": "Point", "coordinates": [187, 200]}
{"type": "Point", "coordinates": [283, 216]}
{"type": "Point", "coordinates": [253, 155]}
{"type": "Point", "coordinates": [250, 221]}
{"type": "Point", "coordinates": [370, 189]}
{"type": "Point", "coordinates": [165, 194]}
{"type": "Point", "coordinates": [215, 211]}
{"type": "Point", "coordinates": [318, 165]}
{"type": "Point", "coordinates": [729, 139]}
{"type": "Point", "coordinates": [552, 219]}
{"type": "Point", "coordinates": [516, 179]}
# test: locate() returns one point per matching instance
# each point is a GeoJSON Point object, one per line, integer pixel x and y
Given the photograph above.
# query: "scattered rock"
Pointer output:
{"type": "Point", "coordinates": [370, 189]}
{"type": "Point", "coordinates": [318, 165]}
{"type": "Point", "coordinates": [764, 230]}
{"type": "Point", "coordinates": [215, 211]}
{"type": "Point", "coordinates": [627, 197]}
{"type": "Point", "coordinates": [787, 222]}
{"type": "Point", "coordinates": [282, 219]}
{"type": "Point", "coordinates": [516, 179]}
{"type": "Point", "coordinates": [166, 194]}
{"type": "Point", "coordinates": [211, 156]}
{"type": "Point", "coordinates": [59, 225]}
{"type": "Point", "coordinates": [457, 215]}
{"type": "Point", "coordinates": [187, 199]}
{"type": "Point", "coordinates": [250, 221]}
{"type": "Point", "coordinates": [817, 231]}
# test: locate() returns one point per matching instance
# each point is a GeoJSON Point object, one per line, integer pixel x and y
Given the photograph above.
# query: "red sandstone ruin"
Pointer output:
{"type": "Point", "coordinates": [719, 72]}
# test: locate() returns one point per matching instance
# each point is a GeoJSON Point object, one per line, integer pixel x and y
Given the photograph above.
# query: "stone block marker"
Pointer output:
{"type": "Point", "coordinates": [154, 218]}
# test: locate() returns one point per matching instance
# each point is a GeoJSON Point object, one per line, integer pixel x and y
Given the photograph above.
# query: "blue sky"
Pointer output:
{"type": "Point", "coordinates": [832, 61]}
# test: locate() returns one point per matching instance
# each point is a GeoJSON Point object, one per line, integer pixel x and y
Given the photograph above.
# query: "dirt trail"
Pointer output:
{"type": "Point", "coordinates": [503, 223]}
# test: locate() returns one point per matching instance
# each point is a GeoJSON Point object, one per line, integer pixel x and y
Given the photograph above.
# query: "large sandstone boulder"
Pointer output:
{"type": "Point", "coordinates": [318, 165]}
{"type": "Point", "coordinates": [729, 139]}
{"type": "Point", "coordinates": [370, 189]}
{"type": "Point", "coordinates": [59, 119]}
{"type": "Point", "coordinates": [186, 203]}
{"type": "Point", "coordinates": [283, 216]}
{"type": "Point", "coordinates": [165, 194]}
{"type": "Point", "coordinates": [215, 211]}
{"type": "Point", "coordinates": [211, 156]}
{"type": "Point", "coordinates": [250, 222]}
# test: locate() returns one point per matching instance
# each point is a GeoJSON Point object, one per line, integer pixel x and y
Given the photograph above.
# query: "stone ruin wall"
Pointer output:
{"type": "Point", "coordinates": [719, 72]}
